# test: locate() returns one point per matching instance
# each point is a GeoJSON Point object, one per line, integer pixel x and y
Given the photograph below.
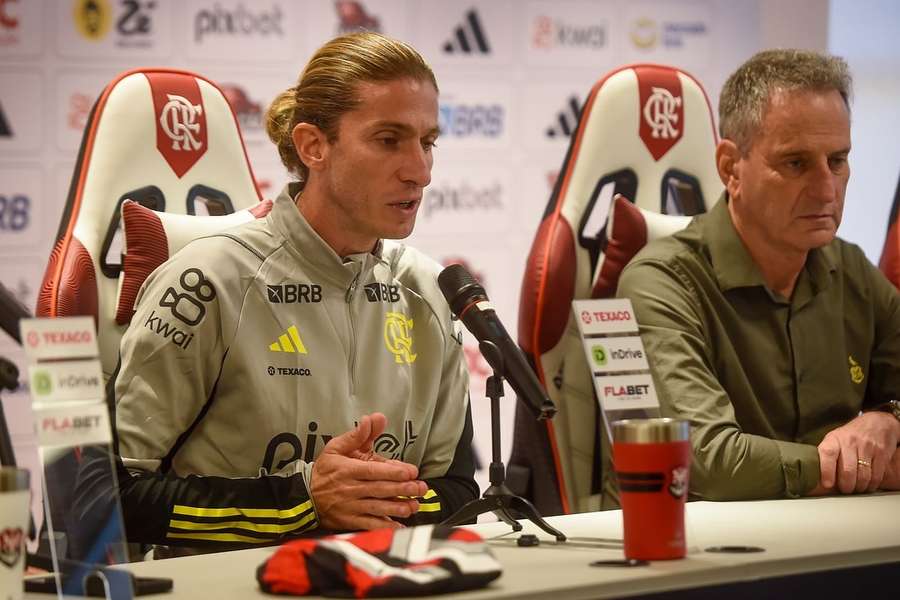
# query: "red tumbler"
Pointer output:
{"type": "Point", "coordinates": [652, 458]}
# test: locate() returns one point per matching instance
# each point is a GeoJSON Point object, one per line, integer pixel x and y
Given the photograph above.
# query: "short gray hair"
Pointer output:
{"type": "Point", "coordinates": [745, 96]}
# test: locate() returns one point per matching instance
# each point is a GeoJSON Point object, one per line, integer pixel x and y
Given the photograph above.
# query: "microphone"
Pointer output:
{"type": "Point", "coordinates": [11, 312]}
{"type": "Point", "coordinates": [470, 304]}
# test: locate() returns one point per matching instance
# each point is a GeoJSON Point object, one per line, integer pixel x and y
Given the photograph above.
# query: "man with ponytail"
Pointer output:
{"type": "Point", "coordinates": [325, 386]}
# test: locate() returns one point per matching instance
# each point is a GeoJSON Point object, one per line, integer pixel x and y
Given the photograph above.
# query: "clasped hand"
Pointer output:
{"type": "Point", "coordinates": [861, 456]}
{"type": "Point", "coordinates": [353, 488]}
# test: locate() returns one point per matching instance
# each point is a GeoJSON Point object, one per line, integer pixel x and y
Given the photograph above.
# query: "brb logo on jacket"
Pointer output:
{"type": "Point", "coordinates": [398, 337]}
{"type": "Point", "coordinates": [662, 109]}
{"type": "Point", "coordinates": [181, 135]}
{"type": "Point", "coordinates": [294, 293]}
{"type": "Point", "coordinates": [382, 292]}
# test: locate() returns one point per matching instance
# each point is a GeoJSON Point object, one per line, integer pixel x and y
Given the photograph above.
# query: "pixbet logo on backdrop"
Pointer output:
{"type": "Point", "coordinates": [548, 33]}
{"type": "Point", "coordinates": [462, 198]}
{"type": "Point", "coordinates": [472, 120]}
{"type": "Point", "coordinates": [239, 21]}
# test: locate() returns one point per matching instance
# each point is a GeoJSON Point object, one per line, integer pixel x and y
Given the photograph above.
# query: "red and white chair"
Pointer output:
{"type": "Point", "coordinates": [168, 141]}
{"type": "Point", "coordinates": [646, 132]}
{"type": "Point", "coordinates": [890, 253]}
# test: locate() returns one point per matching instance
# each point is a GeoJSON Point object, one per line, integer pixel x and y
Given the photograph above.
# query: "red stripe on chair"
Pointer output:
{"type": "Point", "coordinates": [147, 249]}
{"type": "Point", "coordinates": [75, 290]}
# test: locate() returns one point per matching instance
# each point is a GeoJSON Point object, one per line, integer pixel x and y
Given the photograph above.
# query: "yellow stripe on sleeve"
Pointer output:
{"type": "Point", "coordinates": [257, 527]}
{"type": "Point", "coordinates": [259, 513]}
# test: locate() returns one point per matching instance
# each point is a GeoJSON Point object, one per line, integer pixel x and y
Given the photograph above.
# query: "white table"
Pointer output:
{"type": "Point", "coordinates": [799, 536]}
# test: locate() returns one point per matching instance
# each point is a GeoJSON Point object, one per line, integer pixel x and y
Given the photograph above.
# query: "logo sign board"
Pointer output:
{"type": "Point", "coordinates": [66, 381]}
{"type": "Point", "coordinates": [60, 337]}
{"type": "Point", "coordinates": [73, 425]}
{"type": "Point", "coordinates": [616, 354]}
{"type": "Point", "coordinates": [626, 392]}
{"type": "Point", "coordinates": [605, 316]}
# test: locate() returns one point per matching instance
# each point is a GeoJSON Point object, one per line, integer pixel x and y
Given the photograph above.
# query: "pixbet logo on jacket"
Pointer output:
{"type": "Point", "coordinates": [241, 21]}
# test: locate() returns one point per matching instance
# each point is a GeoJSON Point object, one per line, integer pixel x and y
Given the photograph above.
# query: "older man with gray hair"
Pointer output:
{"type": "Point", "coordinates": [778, 341]}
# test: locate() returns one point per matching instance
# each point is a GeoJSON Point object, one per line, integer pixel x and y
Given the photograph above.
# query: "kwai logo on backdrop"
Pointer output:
{"type": "Point", "coordinates": [662, 109]}
{"type": "Point", "coordinates": [469, 37]}
{"type": "Point", "coordinates": [550, 33]}
{"type": "Point", "coordinates": [238, 21]}
{"type": "Point", "coordinates": [566, 119]}
{"type": "Point", "coordinates": [352, 16]}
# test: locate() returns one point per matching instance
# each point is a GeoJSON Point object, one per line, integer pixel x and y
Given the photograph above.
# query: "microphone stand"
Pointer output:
{"type": "Point", "coordinates": [498, 498]}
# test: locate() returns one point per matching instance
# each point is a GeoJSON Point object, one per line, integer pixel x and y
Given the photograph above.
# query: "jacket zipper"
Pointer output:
{"type": "Point", "coordinates": [352, 327]}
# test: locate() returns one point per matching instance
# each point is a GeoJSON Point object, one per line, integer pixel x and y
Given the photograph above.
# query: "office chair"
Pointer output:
{"type": "Point", "coordinates": [890, 253]}
{"type": "Point", "coordinates": [646, 134]}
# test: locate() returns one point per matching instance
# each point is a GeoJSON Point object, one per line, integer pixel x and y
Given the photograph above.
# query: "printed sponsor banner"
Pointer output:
{"type": "Point", "coordinates": [670, 33]}
{"type": "Point", "coordinates": [102, 29]}
{"type": "Point", "coordinates": [75, 424]}
{"type": "Point", "coordinates": [625, 392]}
{"type": "Point", "coordinates": [22, 113]}
{"type": "Point", "coordinates": [390, 17]}
{"type": "Point", "coordinates": [605, 316]}
{"type": "Point", "coordinates": [21, 28]}
{"type": "Point", "coordinates": [59, 337]}
{"type": "Point", "coordinates": [66, 381]}
{"type": "Point", "coordinates": [223, 30]}
{"type": "Point", "coordinates": [465, 33]}
{"type": "Point", "coordinates": [614, 354]}
{"type": "Point", "coordinates": [474, 115]}
{"type": "Point", "coordinates": [466, 198]}
{"type": "Point", "coordinates": [571, 33]}
{"type": "Point", "coordinates": [21, 209]}
{"type": "Point", "coordinates": [76, 92]}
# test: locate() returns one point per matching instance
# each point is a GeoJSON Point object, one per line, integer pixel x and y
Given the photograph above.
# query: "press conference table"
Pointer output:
{"type": "Point", "coordinates": [810, 535]}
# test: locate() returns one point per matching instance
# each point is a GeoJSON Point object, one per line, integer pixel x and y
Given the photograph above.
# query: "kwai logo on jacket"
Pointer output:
{"type": "Point", "coordinates": [397, 337]}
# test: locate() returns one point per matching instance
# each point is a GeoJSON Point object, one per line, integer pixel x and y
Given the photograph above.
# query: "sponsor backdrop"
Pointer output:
{"type": "Point", "coordinates": [512, 73]}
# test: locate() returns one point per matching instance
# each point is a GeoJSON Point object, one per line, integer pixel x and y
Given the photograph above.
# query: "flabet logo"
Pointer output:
{"type": "Point", "coordinates": [856, 372]}
{"type": "Point", "coordinates": [397, 337]}
{"type": "Point", "coordinates": [92, 18]}
{"type": "Point", "coordinates": [548, 34]}
{"type": "Point", "coordinates": [241, 21]}
{"type": "Point", "coordinates": [463, 198]}
{"type": "Point", "coordinates": [70, 424]}
{"type": "Point", "coordinates": [352, 16]}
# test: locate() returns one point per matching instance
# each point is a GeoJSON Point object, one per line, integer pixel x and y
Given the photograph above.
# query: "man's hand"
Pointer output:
{"type": "Point", "coordinates": [353, 488]}
{"type": "Point", "coordinates": [854, 457]}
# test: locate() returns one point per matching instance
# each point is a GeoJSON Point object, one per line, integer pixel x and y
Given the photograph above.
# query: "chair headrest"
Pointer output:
{"type": "Point", "coordinates": [165, 138]}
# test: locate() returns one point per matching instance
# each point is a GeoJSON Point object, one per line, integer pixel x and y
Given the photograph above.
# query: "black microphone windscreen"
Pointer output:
{"type": "Point", "coordinates": [459, 287]}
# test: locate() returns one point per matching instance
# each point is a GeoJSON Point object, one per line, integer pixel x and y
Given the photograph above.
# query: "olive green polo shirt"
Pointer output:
{"type": "Point", "coordinates": [761, 378]}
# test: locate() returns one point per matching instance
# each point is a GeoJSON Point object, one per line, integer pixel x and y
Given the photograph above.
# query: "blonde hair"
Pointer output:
{"type": "Point", "coordinates": [328, 85]}
{"type": "Point", "coordinates": [746, 94]}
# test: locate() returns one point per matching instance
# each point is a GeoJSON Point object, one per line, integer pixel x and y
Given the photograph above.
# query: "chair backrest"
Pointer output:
{"type": "Point", "coordinates": [166, 139]}
{"type": "Point", "coordinates": [645, 132]}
